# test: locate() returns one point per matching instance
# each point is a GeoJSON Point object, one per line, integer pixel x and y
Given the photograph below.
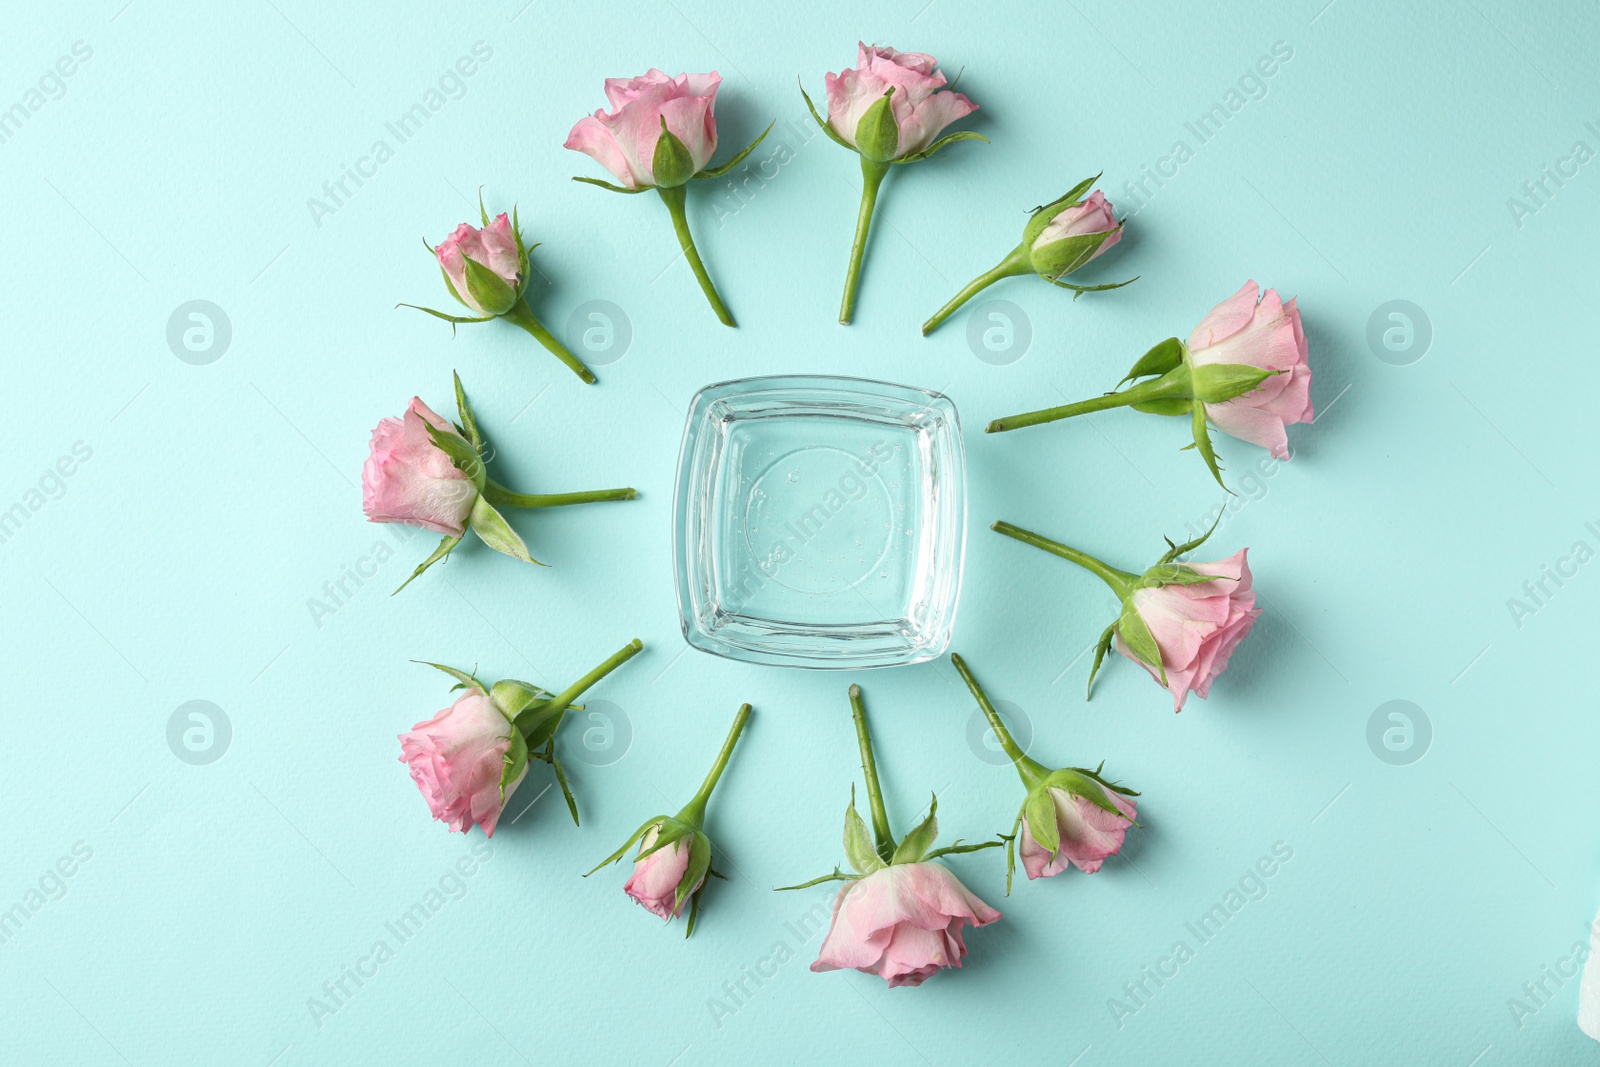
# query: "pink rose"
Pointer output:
{"type": "Point", "coordinates": [1094, 215]}
{"type": "Point", "coordinates": [494, 246]}
{"type": "Point", "coordinates": [920, 109]}
{"type": "Point", "coordinates": [655, 879]}
{"type": "Point", "coordinates": [1197, 627]}
{"type": "Point", "coordinates": [902, 922]}
{"type": "Point", "coordinates": [1267, 335]}
{"type": "Point", "coordinates": [624, 140]}
{"type": "Point", "coordinates": [456, 759]}
{"type": "Point", "coordinates": [408, 479]}
{"type": "Point", "coordinates": [1088, 832]}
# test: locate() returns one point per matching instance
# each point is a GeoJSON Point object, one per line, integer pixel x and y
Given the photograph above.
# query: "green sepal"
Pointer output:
{"type": "Point", "coordinates": [1174, 551]}
{"type": "Point", "coordinates": [1079, 290]}
{"type": "Point", "coordinates": [827, 128]}
{"type": "Point", "coordinates": [1202, 442]}
{"type": "Point", "coordinates": [1078, 784]}
{"type": "Point", "coordinates": [1217, 383]}
{"type": "Point", "coordinates": [1040, 810]}
{"type": "Point", "coordinates": [483, 212]}
{"type": "Point", "coordinates": [469, 421]}
{"type": "Point", "coordinates": [516, 699]}
{"type": "Point", "coordinates": [1176, 405]}
{"type": "Point", "coordinates": [836, 876]}
{"type": "Point", "coordinates": [1011, 847]}
{"type": "Point", "coordinates": [464, 679]}
{"type": "Point", "coordinates": [858, 848]}
{"type": "Point", "coordinates": [462, 455]}
{"type": "Point", "coordinates": [931, 150]}
{"type": "Point", "coordinates": [1175, 574]}
{"type": "Point", "coordinates": [496, 532]}
{"type": "Point", "coordinates": [695, 873]}
{"type": "Point", "coordinates": [561, 780]}
{"type": "Point", "coordinates": [516, 762]}
{"type": "Point", "coordinates": [609, 186]}
{"type": "Point", "coordinates": [445, 547]}
{"type": "Point", "coordinates": [1059, 258]}
{"type": "Point", "coordinates": [1140, 641]}
{"type": "Point", "coordinates": [454, 320]}
{"type": "Point", "coordinates": [671, 165]}
{"type": "Point", "coordinates": [490, 290]}
{"type": "Point", "coordinates": [956, 848]}
{"type": "Point", "coordinates": [915, 845]}
{"type": "Point", "coordinates": [1163, 356]}
{"type": "Point", "coordinates": [719, 171]}
{"type": "Point", "coordinates": [1100, 649]}
{"type": "Point", "coordinates": [1045, 214]}
{"type": "Point", "coordinates": [629, 843]}
{"type": "Point", "coordinates": [877, 133]}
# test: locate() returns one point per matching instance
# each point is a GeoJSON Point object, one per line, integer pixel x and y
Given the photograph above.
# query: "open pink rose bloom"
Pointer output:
{"type": "Point", "coordinates": [1089, 834]}
{"type": "Point", "coordinates": [408, 479]}
{"type": "Point", "coordinates": [1264, 334]}
{"type": "Point", "coordinates": [1197, 627]}
{"type": "Point", "coordinates": [921, 106]}
{"type": "Point", "coordinates": [623, 140]}
{"type": "Point", "coordinates": [456, 759]}
{"type": "Point", "coordinates": [902, 923]}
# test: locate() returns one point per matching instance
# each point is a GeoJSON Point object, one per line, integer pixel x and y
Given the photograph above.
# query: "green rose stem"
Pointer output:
{"type": "Point", "coordinates": [522, 315]}
{"type": "Point", "coordinates": [872, 175]}
{"type": "Point", "coordinates": [500, 496]}
{"type": "Point", "coordinates": [675, 198]}
{"type": "Point", "coordinates": [1031, 771]}
{"type": "Point", "coordinates": [1121, 582]}
{"type": "Point", "coordinates": [564, 699]}
{"type": "Point", "coordinates": [1175, 385]}
{"type": "Point", "coordinates": [1020, 261]}
{"type": "Point", "coordinates": [694, 812]}
{"type": "Point", "coordinates": [869, 768]}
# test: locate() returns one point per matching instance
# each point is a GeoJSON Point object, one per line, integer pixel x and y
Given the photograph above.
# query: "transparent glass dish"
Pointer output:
{"type": "Point", "coordinates": [820, 522]}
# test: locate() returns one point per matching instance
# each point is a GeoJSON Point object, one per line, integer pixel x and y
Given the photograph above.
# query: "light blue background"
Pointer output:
{"type": "Point", "coordinates": [178, 562]}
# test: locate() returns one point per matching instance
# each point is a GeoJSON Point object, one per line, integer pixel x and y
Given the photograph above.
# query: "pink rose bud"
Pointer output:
{"type": "Point", "coordinates": [457, 759]}
{"type": "Point", "coordinates": [422, 471]}
{"type": "Point", "coordinates": [487, 272]}
{"type": "Point", "coordinates": [1060, 237]}
{"type": "Point", "coordinates": [1070, 816]}
{"type": "Point", "coordinates": [1266, 335]}
{"type": "Point", "coordinates": [1244, 370]}
{"type": "Point", "coordinates": [1086, 833]}
{"type": "Point", "coordinates": [1196, 627]}
{"type": "Point", "coordinates": [624, 140]}
{"type": "Point", "coordinates": [900, 916]}
{"type": "Point", "coordinates": [890, 109]}
{"type": "Point", "coordinates": [918, 108]}
{"type": "Point", "coordinates": [660, 133]}
{"type": "Point", "coordinates": [408, 479]}
{"type": "Point", "coordinates": [902, 923]}
{"type": "Point", "coordinates": [1179, 621]}
{"type": "Point", "coordinates": [674, 851]}
{"type": "Point", "coordinates": [658, 875]}
{"type": "Point", "coordinates": [494, 248]}
{"type": "Point", "coordinates": [468, 759]}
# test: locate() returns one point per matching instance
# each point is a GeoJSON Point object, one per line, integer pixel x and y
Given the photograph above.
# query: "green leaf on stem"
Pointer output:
{"type": "Point", "coordinates": [719, 171]}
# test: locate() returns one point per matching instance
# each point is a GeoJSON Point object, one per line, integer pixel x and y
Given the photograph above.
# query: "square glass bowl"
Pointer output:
{"type": "Point", "coordinates": [820, 522]}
